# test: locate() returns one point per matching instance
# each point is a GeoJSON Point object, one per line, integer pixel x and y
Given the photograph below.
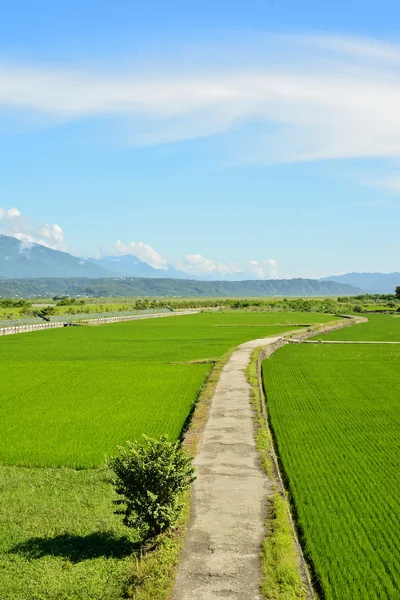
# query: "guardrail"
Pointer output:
{"type": "Point", "coordinates": [97, 321]}
{"type": "Point", "coordinates": [27, 328]}
{"type": "Point", "coordinates": [77, 317]}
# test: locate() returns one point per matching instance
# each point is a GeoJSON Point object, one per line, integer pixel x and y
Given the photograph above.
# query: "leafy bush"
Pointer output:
{"type": "Point", "coordinates": [10, 303]}
{"type": "Point", "coordinates": [151, 478]}
{"type": "Point", "coordinates": [66, 301]}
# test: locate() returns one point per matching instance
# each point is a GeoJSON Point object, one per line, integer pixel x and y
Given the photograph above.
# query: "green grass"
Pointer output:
{"type": "Point", "coordinates": [378, 328]}
{"type": "Point", "coordinates": [335, 415]}
{"type": "Point", "coordinates": [281, 577]}
{"type": "Point", "coordinates": [59, 538]}
{"type": "Point", "coordinates": [69, 396]}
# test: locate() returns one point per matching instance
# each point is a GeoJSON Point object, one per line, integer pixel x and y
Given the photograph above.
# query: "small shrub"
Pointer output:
{"type": "Point", "coordinates": [150, 478]}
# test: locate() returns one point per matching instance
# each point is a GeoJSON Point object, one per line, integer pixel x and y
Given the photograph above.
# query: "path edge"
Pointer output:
{"type": "Point", "coordinates": [155, 573]}
{"type": "Point", "coordinates": [271, 464]}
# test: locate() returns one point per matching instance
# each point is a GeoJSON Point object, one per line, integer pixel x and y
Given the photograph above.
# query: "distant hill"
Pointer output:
{"type": "Point", "coordinates": [34, 260]}
{"type": "Point", "coordinates": [171, 287]}
{"type": "Point", "coordinates": [372, 283]}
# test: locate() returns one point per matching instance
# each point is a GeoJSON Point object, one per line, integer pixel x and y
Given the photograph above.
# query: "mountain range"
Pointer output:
{"type": "Point", "coordinates": [371, 283]}
{"type": "Point", "coordinates": [27, 260]}
{"type": "Point", "coordinates": [141, 286]}
{"type": "Point", "coordinates": [21, 260]}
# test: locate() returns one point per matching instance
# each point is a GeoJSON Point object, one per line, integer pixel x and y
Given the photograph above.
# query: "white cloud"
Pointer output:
{"type": "Point", "coordinates": [25, 229]}
{"type": "Point", "coordinates": [196, 264]}
{"type": "Point", "coordinates": [356, 46]}
{"type": "Point", "coordinates": [143, 252]}
{"type": "Point", "coordinates": [328, 97]}
{"type": "Point", "coordinates": [265, 269]}
{"type": "Point", "coordinates": [9, 213]}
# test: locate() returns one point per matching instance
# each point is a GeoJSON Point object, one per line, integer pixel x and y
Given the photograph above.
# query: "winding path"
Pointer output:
{"type": "Point", "coordinates": [221, 557]}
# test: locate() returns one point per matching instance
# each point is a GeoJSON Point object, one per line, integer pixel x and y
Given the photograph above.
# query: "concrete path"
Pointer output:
{"type": "Point", "coordinates": [221, 557]}
{"type": "Point", "coordinates": [318, 341]}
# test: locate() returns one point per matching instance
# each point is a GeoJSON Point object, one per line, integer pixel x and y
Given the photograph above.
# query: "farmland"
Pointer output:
{"type": "Point", "coordinates": [378, 328]}
{"type": "Point", "coordinates": [69, 396]}
{"type": "Point", "coordinates": [334, 410]}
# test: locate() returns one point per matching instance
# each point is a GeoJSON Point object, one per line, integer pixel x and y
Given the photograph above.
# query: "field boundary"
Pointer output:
{"type": "Point", "coordinates": [157, 567]}
{"type": "Point", "coordinates": [260, 355]}
{"type": "Point", "coordinates": [340, 342]}
{"type": "Point", "coordinates": [326, 328]}
{"type": "Point", "coordinates": [265, 325]}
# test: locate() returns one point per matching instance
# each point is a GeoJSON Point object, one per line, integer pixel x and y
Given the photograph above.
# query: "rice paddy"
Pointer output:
{"type": "Point", "coordinates": [335, 414]}
{"type": "Point", "coordinates": [379, 328]}
{"type": "Point", "coordinates": [68, 398]}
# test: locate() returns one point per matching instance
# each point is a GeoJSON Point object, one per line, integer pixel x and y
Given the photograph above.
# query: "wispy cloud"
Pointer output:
{"type": "Point", "coordinates": [265, 269]}
{"type": "Point", "coordinates": [28, 231]}
{"type": "Point", "coordinates": [368, 49]}
{"type": "Point", "coordinates": [143, 252]}
{"type": "Point", "coordinates": [391, 184]}
{"type": "Point", "coordinates": [196, 264]}
{"type": "Point", "coordinates": [339, 102]}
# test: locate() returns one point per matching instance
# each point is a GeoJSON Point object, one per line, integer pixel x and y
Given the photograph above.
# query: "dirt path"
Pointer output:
{"type": "Point", "coordinates": [221, 554]}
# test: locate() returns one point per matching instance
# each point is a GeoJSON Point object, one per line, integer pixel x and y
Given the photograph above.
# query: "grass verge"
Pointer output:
{"type": "Point", "coordinates": [59, 539]}
{"type": "Point", "coordinates": [282, 577]}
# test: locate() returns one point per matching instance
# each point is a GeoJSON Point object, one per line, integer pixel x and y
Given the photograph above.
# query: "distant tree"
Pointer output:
{"type": "Point", "coordinates": [397, 292]}
{"type": "Point", "coordinates": [66, 301]}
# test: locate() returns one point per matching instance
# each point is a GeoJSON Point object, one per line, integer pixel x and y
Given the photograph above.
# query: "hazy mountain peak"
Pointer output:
{"type": "Point", "coordinates": [21, 260]}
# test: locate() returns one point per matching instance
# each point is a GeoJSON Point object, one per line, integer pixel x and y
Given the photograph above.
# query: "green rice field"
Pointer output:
{"type": "Point", "coordinates": [68, 398]}
{"type": "Point", "coordinates": [335, 414]}
{"type": "Point", "coordinates": [379, 328]}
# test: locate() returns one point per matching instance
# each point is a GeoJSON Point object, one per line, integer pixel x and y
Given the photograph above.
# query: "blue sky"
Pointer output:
{"type": "Point", "coordinates": [259, 136]}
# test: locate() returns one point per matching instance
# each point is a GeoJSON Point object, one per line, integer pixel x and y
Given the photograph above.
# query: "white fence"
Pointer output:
{"type": "Point", "coordinates": [26, 328]}
{"type": "Point", "coordinates": [98, 321]}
